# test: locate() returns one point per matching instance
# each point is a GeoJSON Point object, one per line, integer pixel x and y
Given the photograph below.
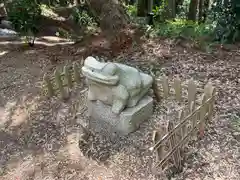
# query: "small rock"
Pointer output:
{"type": "Point", "coordinates": [236, 135]}
{"type": "Point", "coordinates": [7, 32]}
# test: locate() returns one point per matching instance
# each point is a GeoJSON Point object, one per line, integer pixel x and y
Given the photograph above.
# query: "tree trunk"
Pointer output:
{"type": "Point", "coordinates": [111, 14]}
{"type": "Point", "coordinates": [192, 10]}
{"type": "Point", "coordinates": [225, 3]}
{"type": "Point", "coordinates": [142, 8]}
{"type": "Point", "coordinates": [171, 8]}
{"type": "Point", "coordinates": [205, 9]}
{"type": "Point", "coordinates": [132, 2]}
{"type": "Point", "coordinates": [150, 6]}
{"type": "Point", "coordinates": [178, 4]}
{"type": "Point", "coordinates": [200, 12]}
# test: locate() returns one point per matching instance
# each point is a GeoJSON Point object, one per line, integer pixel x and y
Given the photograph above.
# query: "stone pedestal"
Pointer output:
{"type": "Point", "coordinates": [104, 121]}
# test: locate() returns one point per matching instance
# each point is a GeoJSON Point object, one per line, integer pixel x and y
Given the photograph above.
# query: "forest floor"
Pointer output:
{"type": "Point", "coordinates": [39, 136]}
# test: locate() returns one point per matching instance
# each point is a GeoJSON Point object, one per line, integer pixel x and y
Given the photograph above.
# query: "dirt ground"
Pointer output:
{"type": "Point", "coordinates": [39, 136]}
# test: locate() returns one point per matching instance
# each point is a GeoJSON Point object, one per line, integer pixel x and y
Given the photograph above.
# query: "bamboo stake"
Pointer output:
{"type": "Point", "coordinates": [177, 88]}
{"type": "Point", "coordinates": [165, 86]}
{"type": "Point", "coordinates": [68, 77]}
{"type": "Point", "coordinates": [76, 73]}
{"type": "Point", "coordinates": [48, 85]}
{"type": "Point", "coordinates": [192, 90]}
{"type": "Point", "coordinates": [59, 83]}
{"type": "Point", "coordinates": [173, 141]}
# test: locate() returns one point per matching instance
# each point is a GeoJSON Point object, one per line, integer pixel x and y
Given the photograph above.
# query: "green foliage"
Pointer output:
{"type": "Point", "coordinates": [82, 17]}
{"type": "Point", "coordinates": [160, 12]}
{"type": "Point", "coordinates": [235, 121]}
{"type": "Point", "coordinates": [56, 3]}
{"type": "Point", "coordinates": [182, 10]}
{"type": "Point", "coordinates": [132, 10]}
{"type": "Point", "coordinates": [222, 22]}
{"type": "Point", "coordinates": [182, 28]}
{"type": "Point", "coordinates": [25, 16]}
{"type": "Point", "coordinates": [226, 17]}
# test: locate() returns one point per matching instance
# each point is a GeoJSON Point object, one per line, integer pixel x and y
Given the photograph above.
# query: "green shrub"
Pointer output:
{"type": "Point", "coordinates": [25, 16]}
{"type": "Point", "coordinates": [183, 28]}
{"type": "Point", "coordinates": [226, 18]}
{"type": "Point", "coordinates": [132, 10]}
{"type": "Point", "coordinates": [160, 12]}
{"type": "Point", "coordinates": [82, 17]}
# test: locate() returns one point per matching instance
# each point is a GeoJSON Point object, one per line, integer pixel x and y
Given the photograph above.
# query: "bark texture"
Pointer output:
{"type": "Point", "coordinates": [110, 13]}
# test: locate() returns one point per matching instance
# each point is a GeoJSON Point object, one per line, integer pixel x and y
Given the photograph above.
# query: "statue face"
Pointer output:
{"type": "Point", "coordinates": [105, 73]}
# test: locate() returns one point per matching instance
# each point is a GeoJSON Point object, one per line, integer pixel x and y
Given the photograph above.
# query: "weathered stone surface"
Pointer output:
{"type": "Point", "coordinates": [104, 121]}
{"type": "Point", "coordinates": [115, 84]}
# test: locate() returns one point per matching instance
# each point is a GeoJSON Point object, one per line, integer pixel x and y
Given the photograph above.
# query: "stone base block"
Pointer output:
{"type": "Point", "coordinates": [104, 121]}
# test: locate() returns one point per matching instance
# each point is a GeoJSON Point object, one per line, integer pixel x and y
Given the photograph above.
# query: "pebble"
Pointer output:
{"type": "Point", "coordinates": [7, 32]}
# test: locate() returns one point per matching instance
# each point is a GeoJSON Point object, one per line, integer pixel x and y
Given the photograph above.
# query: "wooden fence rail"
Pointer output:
{"type": "Point", "coordinates": [63, 81]}
{"type": "Point", "coordinates": [189, 123]}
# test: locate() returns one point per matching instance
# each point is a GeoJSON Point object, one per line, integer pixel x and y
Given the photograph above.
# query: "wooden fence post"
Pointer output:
{"type": "Point", "coordinates": [192, 90]}
{"type": "Point", "coordinates": [210, 92]}
{"type": "Point", "coordinates": [194, 124]}
{"type": "Point", "coordinates": [59, 83]}
{"type": "Point", "coordinates": [183, 129]}
{"type": "Point", "coordinates": [173, 141]}
{"type": "Point", "coordinates": [68, 77]}
{"type": "Point", "coordinates": [177, 88]}
{"type": "Point", "coordinates": [165, 86]}
{"type": "Point", "coordinates": [211, 104]}
{"type": "Point", "coordinates": [156, 137]}
{"type": "Point", "coordinates": [49, 85]}
{"type": "Point", "coordinates": [156, 92]}
{"type": "Point", "coordinates": [202, 119]}
{"type": "Point", "coordinates": [76, 73]}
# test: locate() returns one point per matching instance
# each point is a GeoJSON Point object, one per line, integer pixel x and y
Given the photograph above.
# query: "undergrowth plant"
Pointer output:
{"type": "Point", "coordinates": [81, 17]}
{"type": "Point", "coordinates": [160, 12]}
{"type": "Point", "coordinates": [132, 10]}
{"type": "Point", "coordinates": [182, 28]}
{"type": "Point", "coordinates": [227, 19]}
{"type": "Point", "coordinates": [25, 16]}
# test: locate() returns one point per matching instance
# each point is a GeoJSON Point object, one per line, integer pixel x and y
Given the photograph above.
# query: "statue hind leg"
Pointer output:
{"type": "Point", "coordinates": [146, 85]}
{"type": "Point", "coordinates": [120, 99]}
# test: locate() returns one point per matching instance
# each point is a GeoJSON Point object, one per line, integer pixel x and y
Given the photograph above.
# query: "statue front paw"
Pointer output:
{"type": "Point", "coordinates": [133, 102]}
{"type": "Point", "coordinates": [118, 106]}
{"type": "Point", "coordinates": [91, 96]}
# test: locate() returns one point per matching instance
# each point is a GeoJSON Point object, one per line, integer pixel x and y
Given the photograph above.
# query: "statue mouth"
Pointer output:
{"type": "Point", "coordinates": [99, 77]}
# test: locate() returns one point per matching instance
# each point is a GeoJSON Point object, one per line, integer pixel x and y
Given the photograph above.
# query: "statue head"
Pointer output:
{"type": "Point", "coordinates": [105, 73]}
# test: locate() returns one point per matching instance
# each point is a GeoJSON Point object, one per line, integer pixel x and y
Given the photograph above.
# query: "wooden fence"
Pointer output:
{"type": "Point", "coordinates": [62, 81]}
{"type": "Point", "coordinates": [170, 142]}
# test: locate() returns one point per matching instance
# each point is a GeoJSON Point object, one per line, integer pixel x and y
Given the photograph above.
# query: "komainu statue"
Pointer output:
{"type": "Point", "coordinates": [115, 84]}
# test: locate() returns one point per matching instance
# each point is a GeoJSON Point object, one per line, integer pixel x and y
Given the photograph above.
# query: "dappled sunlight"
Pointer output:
{"type": "Point", "coordinates": [19, 117]}
{"type": "Point", "coordinates": [21, 168]}
{"type": "Point", "coordinates": [53, 39]}
{"type": "Point", "coordinates": [46, 11]}
{"type": "Point", "coordinates": [160, 51]}
{"type": "Point", "coordinates": [6, 113]}
{"type": "Point", "coordinates": [3, 53]}
{"type": "Point", "coordinates": [15, 113]}
{"type": "Point", "coordinates": [37, 42]}
{"type": "Point", "coordinates": [3, 117]}
{"type": "Point", "coordinates": [72, 146]}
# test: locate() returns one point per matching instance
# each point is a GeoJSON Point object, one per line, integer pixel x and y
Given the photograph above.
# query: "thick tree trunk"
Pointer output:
{"type": "Point", "coordinates": [111, 14]}
{"type": "Point", "coordinates": [171, 9]}
{"type": "Point", "coordinates": [192, 10]}
{"type": "Point", "coordinates": [178, 4]}
{"type": "Point", "coordinates": [205, 9]}
{"type": "Point", "coordinates": [200, 12]}
{"type": "Point", "coordinates": [142, 8]}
